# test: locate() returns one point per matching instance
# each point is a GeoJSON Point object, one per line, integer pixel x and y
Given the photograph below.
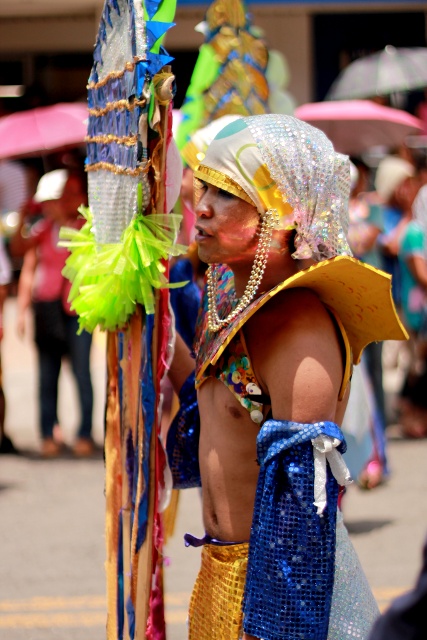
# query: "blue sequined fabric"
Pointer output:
{"type": "Point", "coordinates": [182, 445]}
{"type": "Point", "coordinates": [292, 549]}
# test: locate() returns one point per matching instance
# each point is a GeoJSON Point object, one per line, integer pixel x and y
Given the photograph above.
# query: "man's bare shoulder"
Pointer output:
{"type": "Point", "coordinates": [297, 355]}
{"type": "Point", "coordinates": [292, 309]}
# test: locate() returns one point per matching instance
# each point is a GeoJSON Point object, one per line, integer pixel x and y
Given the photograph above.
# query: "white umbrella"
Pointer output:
{"type": "Point", "coordinates": [389, 71]}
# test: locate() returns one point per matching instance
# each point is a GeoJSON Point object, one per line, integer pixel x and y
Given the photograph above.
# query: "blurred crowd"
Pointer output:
{"type": "Point", "coordinates": [388, 224]}
{"type": "Point", "coordinates": [34, 205]}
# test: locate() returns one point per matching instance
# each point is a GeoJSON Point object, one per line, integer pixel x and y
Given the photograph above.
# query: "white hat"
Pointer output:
{"type": "Point", "coordinates": [194, 150]}
{"type": "Point", "coordinates": [51, 185]}
{"type": "Point", "coordinates": [391, 172]}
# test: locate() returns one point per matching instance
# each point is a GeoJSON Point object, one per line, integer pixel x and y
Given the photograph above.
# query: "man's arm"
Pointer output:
{"type": "Point", "coordinates": [25, 285]}
{"type": "Point", "coordinates": [299, 359]}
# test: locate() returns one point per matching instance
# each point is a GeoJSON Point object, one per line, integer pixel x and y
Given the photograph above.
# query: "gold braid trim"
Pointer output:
{"type": "Point", "coordinates": [118, 104]}
{"type": "Point", "coordinates": [107, 139]}
{"type": "Point", "coordinates": [129, 66]}
{"type": "Point", "coordinates": [107, 166]}
{"type": "Point", "coordinates": [220, 180]}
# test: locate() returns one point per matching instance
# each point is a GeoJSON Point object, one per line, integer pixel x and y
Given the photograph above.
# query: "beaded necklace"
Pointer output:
{"type": "Point", "coordinates": [270, 221]}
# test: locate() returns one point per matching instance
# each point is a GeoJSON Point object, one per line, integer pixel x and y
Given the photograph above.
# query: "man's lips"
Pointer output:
{"type": "Point", "coordinates": [202, 233]}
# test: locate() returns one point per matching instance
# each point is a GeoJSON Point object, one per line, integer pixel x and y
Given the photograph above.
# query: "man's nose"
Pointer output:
{"type": "Point", "coordinates": [203, 207]}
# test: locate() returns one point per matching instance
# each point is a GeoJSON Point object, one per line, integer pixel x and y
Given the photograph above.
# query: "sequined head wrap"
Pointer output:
{"type": "Point", "coordinates": [279, 162]}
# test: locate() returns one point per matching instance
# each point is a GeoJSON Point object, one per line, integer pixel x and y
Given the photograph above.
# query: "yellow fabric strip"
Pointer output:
{"type": "Point", "coordinates": [216, 601]}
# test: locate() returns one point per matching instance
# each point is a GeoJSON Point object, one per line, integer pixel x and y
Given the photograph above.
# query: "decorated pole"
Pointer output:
{"type": "Point", "coordinates": [118, 267]}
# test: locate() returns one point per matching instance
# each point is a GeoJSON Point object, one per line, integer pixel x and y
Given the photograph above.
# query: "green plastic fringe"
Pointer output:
{"type": "Point", "coordinates": [109, 280]}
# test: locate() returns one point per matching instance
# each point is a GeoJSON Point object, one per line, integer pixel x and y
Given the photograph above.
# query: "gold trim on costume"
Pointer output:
{"type": "Point", "coordinates": [218, 179]}
{"type": "Point", "coordinates": [348, 362]}
{"type": "Point", "coordinates": [117, 104]}
{"type": "Point", "coordinates": [107, 166]}
{"type": "Point", "coordinates": [129, 66]}
{"type": "Point", "coordinates": [107, 139]}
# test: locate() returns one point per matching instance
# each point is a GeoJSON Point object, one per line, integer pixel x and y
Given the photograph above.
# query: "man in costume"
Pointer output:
{"type": "Point", "coordinates": [285, 313]}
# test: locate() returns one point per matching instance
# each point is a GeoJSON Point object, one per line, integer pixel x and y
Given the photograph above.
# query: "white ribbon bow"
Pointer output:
{"type": "Point", "coordinates": [324, 449]}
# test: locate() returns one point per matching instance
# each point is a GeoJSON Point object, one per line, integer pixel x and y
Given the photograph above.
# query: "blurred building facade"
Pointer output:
{"type": "Point", "coordinates": [46, 46]}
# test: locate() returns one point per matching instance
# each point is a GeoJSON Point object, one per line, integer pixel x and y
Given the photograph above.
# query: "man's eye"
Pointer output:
{"type": "Point", "coordinates": [225, 194]}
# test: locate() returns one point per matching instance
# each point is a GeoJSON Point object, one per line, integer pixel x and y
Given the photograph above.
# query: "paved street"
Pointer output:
{"type": "Point", "coordinates": [52, 552]}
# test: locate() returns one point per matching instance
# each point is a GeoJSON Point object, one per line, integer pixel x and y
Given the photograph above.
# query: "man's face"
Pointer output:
{"type": "Point", "coordinates": [226, 227]}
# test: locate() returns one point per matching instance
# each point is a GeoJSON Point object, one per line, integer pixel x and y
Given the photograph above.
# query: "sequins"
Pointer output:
{"type": "Point", "coordinates": [297, 603]}
{"type": "Point", "coordinates": [234, 370]}
{"type": "Point", "coordinates": [312, 178]}
{"type": "Point", "coordinates": [256, 416]}
{"type": "Point", "coordinates": [116, 162]}
{"type": "Point", "coordinates": [113, 203]}
{"type": "Point", "coordinates": [354, 608]}
{"type": "Point", "coordinates": [182, 443]}
{"type": "Point", "coordinates": [216, 601]}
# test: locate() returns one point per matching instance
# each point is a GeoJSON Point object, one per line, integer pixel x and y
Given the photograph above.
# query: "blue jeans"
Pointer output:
{"type": "Point", "coordinates": [373, 361]}
{"type": "Point", "coordinates": [78, 351]}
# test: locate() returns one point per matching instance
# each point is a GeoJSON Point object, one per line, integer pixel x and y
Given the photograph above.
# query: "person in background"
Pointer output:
{"type": "Point", "coordinates": [6, 444]}
{"type": "Point", "coordinates": [43, 288]}
{"type": "Point", "coordinates": [13, 194]}
{"type": "Point", "coordinates": [365, 216]}
{"type": "Point", "coordinates": [413, 263]}
{"type": "Point", "coordinates": [365, 226]}
{"type": "Point", "coordinates": [396, 185]}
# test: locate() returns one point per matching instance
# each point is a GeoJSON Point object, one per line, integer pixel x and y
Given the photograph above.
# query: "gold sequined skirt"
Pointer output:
{"type": "Point", "coordinates": [216, 601]}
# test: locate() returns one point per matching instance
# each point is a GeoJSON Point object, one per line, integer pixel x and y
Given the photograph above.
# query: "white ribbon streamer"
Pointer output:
{"type": "Point", "coordinates": [325, 450]}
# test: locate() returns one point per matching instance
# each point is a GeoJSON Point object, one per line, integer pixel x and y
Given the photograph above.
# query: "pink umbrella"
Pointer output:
{"type": "Point", "coordinates": [43, 130]}
{"type": "Point", "coordinates": [353, 126]}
